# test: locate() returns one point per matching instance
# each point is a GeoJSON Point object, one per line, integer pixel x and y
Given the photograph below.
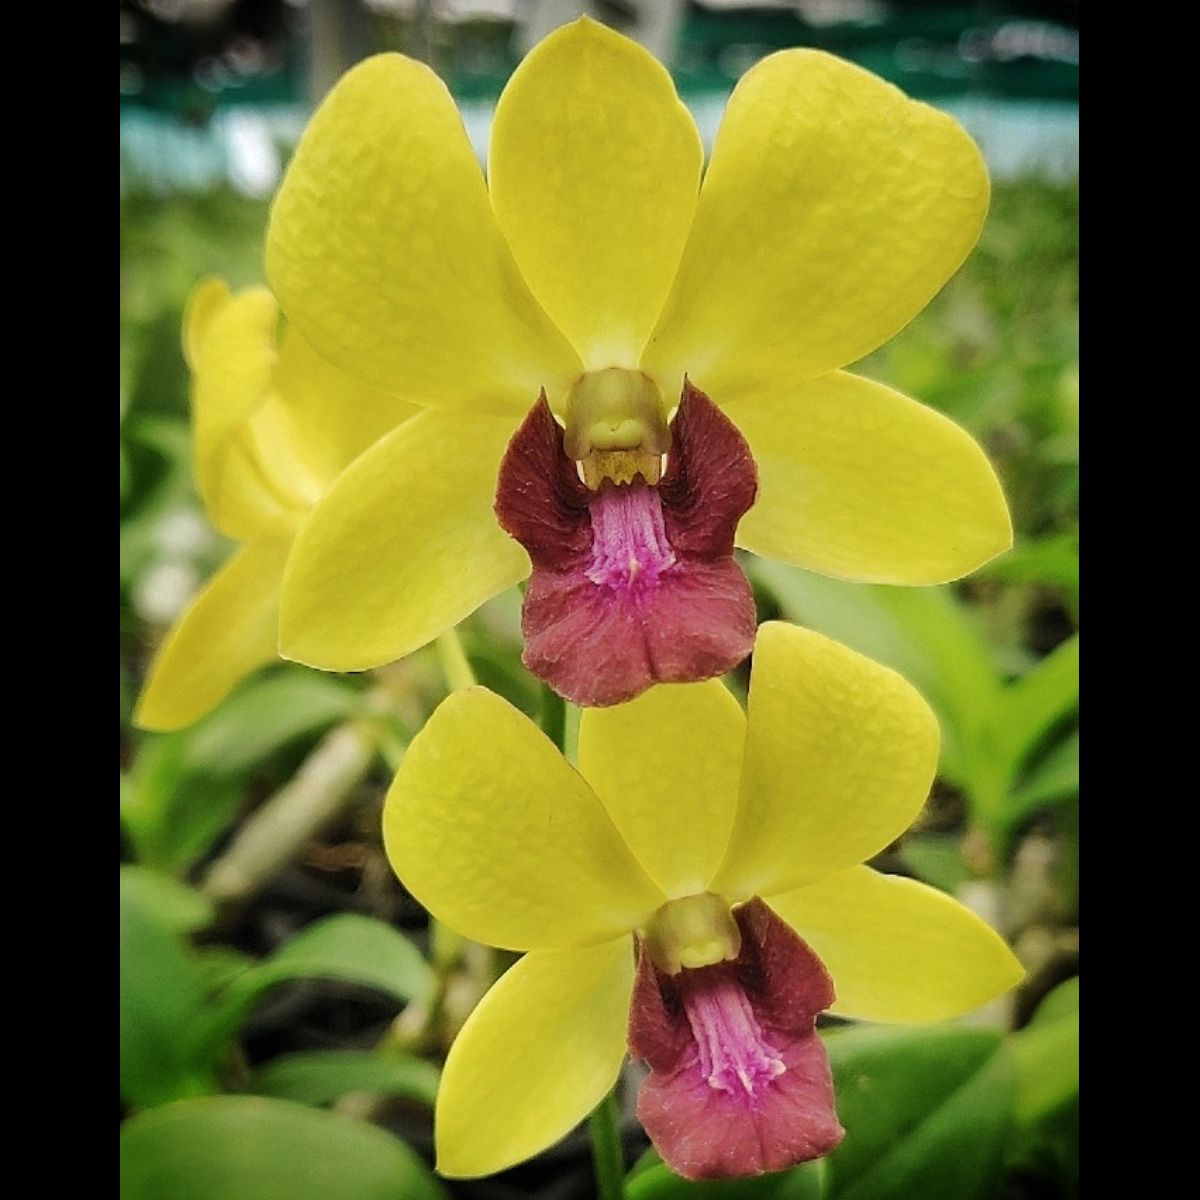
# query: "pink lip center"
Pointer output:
{"type": "Point", "coordinates": [630, 548]}
{"type": "Point", "coordinates": [734, 1054]}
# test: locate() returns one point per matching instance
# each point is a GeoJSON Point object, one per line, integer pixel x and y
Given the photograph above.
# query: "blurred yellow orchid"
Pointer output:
{"type": "Point", "coordinates": [271, 428]}
{"type": "Point", "coordinates": [595, 272]}
{"type": "Point", "coordinates": [730, 847]}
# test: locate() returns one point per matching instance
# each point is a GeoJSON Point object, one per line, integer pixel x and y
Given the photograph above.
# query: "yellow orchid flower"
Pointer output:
{"type": "Point", "coordinates": [730, 848]}
{"type": "Point", "coordinates": [272, 426]}
{"type": "Point", "coordinates": [595, 274]}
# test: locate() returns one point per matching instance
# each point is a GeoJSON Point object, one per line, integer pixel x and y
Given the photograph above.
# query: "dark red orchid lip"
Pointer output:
{"type": "Point", "coordinates": [632, 584]}
{"type": "Point", "coordinates": [739, 1082]}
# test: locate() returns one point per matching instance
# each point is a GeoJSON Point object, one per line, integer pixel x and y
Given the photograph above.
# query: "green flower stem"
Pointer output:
{"type": "Point", "coordinates": [608, 1154]}
{"type": "Point", "coordinates": [553, 718]}
{"type": "Point", "coordinates": [455, 668]}
{"type": "Point", "coordinates": [271, 837]}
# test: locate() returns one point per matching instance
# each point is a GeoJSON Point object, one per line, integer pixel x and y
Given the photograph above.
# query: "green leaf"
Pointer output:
{"type": "Point", "coordinates": [1053, 780]}
{"type": "Point", "coordinates": [185, 788]}
{"type": "Point", "coordinates": [1052, 560]}
{"type": "Point", "coordinates": [1037, 701]}
{"type": "Point", "coordinates": [266, 714]}
{"type": "Point", "coordinates": [1063, 1001]}
{"type": "Point", "coordinates": [1047, 1055]}
{"type": "Point", "coordinates": [172, 813]}
{"type": "Point", "coordinates": [935, 858]}
{"type": "Point", "coordinates": [322, 1076]}
{"type": "Point", "coordinates": [659, 1183]}
{"type": "Point", "coordinates": [243, 1147]}
{"type": "Point", "coordinates": [926, 1112]}
{"type": "Point", "coordinates": [160, 1004]}
{"type": "Point", "coordinates": [176, 906]}
{"type": "Point", "coordinates": [218, 966]}
{"type": "Point", "coordinates": [348, 947]}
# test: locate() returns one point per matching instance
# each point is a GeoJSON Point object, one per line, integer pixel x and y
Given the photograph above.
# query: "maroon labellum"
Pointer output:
{"type": "Point", "coordinates": [739, 1081]}
{"type": "Point", "coordinates": [632, 584]}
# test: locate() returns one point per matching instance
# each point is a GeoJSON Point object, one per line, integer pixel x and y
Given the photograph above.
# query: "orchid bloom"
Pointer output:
{"type": "Point", "coordinates": [594, 278]}
{"type": "Point", "coordinates": [272, 427]}
{"type": "Point", "coordinates": [726, 849]}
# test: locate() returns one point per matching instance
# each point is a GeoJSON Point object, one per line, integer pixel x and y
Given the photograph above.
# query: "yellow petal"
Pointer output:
{"type": "Point", "coordinates": [539, 1053]}
{"type": "Point", "coordinates": [383, 250]}
{"type": "Point", "coordinates": [898, 950]}
{"type": "Point", "coordinates": [594, 168]}
{"type": "Point", "coordinates": [860, 482]}
{"type": "Point", "coordinates": [335, 417]}
{"type": "Point", "coordinates": [495, 834]}
{"type": "Point", "coordinates": [402, 547]}
{"type": "Point", "coordinates": [208, 297]}
{"type": "Point", "coordinates": [840, 753]}
{"type": "Point", "coordinates": [247, 471]}
{"type": "Point", "coordinates": [833, 210]}
{"type": "Point", "coordinates": [666, 767]}
{"type": "Point", "coordinates": [228, 630]}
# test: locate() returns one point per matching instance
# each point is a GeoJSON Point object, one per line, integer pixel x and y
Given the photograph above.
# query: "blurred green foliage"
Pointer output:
{"type": "Point", "coordinates": [960, 1112]}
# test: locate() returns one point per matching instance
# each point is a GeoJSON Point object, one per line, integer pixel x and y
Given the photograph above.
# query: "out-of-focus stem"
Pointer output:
{"type": "Point", "coordinates": [277, 831]}
{"type": "Point", "coordinates": [455, 667]}
{"type": "Point", "coordinates": [553, 718]}
{"type": "Point", "coordinates": [608, 1156]}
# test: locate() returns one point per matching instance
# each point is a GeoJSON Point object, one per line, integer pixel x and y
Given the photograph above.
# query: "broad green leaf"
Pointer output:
{"type": "Point", "coordinates": [347, 947]}
{"type": "Point", "coordinates": [1025, 715]}
{"type": "Point", "coordinates": [1052, 560]}
{"type": "Point", "coordinates": [185, 788]}
{"type": "Point", "coordinates": [321, 1076]}
{"type": "Point", "coordinates": [1054, 779]}
{"type": "Point", "coordinates": [935, 858]}
{"type": "Point", "coordinates": [160, 1005]}
{"type": "Point", "coordinates": [926, 1111]}
{"type": "Point", "coordinates": [218, 966]}
{"type": "Point", "coordinates": [178, 907]}
{"type": "Point", "coordinates": [658, 1183]}
{"type": "Point", "coordinates": [254, 1148]}
{"type": "Point", "coordinates": [1032, 705]}
{"type": "Point", "coordinates": [171, 812]}
{"type": "Point", "coordinates": [1063, 1001]}
{"type": "Point", "coordinates": [924, 633]}
{"type": "Point", "coordinates": [1047, 1055]}
{"type": "Point", "coordinates": [267, 713]}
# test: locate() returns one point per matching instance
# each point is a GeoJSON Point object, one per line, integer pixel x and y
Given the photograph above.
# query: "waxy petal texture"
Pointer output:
{"type": "Point", "coordinates": [402, 547]}
{"type": "Point", "coordinates": [840, 755]}
{"type": "Point", "coordinates": [620, 600]}
{"type": "Point", "coordinates": [335, 418]}
{"type": "Point", "coordinates": [228, 631]}
{"type": "Point", "coordinates": [675, 750]}
{"type": "Point", "coordinates": [860, 482]}
{"type": "Point", "coordinates": [494, 833]}
{"type": "Point", "coordinates": [384, 252]}
{"type": "Point", "coordinates": [540, 1051]}
{"type": "Point", "coordinates": [594, 169]}
{"type": "Point", "coordinates": [833, 210]}
{"type": "Point", "coordinates": [897, 949]}
{"type": "Point", "coordinates": [739, 1081]}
